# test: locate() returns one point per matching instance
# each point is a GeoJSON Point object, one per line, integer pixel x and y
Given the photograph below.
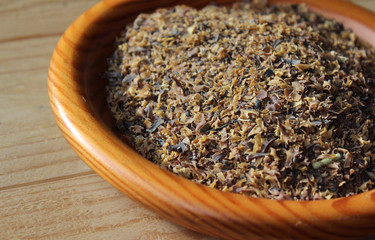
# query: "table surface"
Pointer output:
{"type": "Point", "coordinates": [46, 191]}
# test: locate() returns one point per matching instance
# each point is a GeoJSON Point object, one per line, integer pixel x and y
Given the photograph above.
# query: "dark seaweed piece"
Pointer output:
{"type": "Point", "coordinates": [160, 141]}
{"type": "Point", "coordinates": [257, 155]}
{"type": "Point", "coordinates": [128, 78]}
{"type": "Point", "coordinates": [267, 144]}
{"type": "Point", "coordinates": [268, 73]}
{"type": "Point", "coordinates": [258, 104]}
{"type": "Point", "coordinates": [219, 155]}
{"type": "Point", "coordinates": [291, 61]}
{"type": "Point", "coordinates": [221, 127]}
{"type": "Point", "coordinates": [179, 147]}
{"type": "Point", "coordinates": [276, 43]}
{"type": "Point", "coordinates": [124, 126]}
{"type": "Point", "coordinates": [113, 74]}
{"type": "Point", "coordinates": [148, 111]}
{"type": "Point", "coordinates": [249, 145]}
{"type": "Point", "coordinates": [205, 128]}
{"type": "Point", "coordinates": [157, 122]}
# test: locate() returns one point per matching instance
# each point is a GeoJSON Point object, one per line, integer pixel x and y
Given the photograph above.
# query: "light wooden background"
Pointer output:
{"type": "Point", "coordinates": [46, 191]}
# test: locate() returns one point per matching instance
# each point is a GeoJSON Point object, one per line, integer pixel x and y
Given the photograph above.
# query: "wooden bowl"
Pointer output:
{"type": "Point", "coordinates": [77, 96]}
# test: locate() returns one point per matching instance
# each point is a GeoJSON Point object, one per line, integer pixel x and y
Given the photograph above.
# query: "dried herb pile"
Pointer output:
{"type": "Point", "coordinates": [273, 102]}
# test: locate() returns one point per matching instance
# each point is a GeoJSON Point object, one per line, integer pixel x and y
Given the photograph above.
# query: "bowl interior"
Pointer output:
{"type": "Point", "coordinates": [103, 35]}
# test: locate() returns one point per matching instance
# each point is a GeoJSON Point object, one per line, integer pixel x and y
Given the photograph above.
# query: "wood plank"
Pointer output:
{"type": "Point", "coordinates": [32, 148]}
{"type": "Point", "coordinates": [82, 207]}
{"type": "Point", "coordinates": [38, 18]}
{"type": "Point", "coordinates": [369, 4]}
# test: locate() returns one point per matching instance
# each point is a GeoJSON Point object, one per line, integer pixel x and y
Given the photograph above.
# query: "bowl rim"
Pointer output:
{"type": "Point", "coordinates": [180, 200]}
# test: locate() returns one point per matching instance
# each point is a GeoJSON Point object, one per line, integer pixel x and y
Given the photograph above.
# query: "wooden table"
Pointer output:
{"type": "Point", "coordinates": [46, 191]}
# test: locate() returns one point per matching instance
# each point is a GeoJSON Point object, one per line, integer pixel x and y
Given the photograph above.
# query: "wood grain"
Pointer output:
{"type": "Point", "coordinates": [46, 191]}
{"type": "Point", "coordinates": [79, 207]}
{"type": "Point", "coordinates": [32, 148]}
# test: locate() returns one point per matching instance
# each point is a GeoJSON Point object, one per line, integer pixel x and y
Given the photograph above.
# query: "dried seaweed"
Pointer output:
{"type": "Point", "coordinates": [273, 102]}
{"type": "Point", "coordinates": [155, 125]}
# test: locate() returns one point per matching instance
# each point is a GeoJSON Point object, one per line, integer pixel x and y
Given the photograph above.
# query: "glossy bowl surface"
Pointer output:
{"type": "Point", "coordinates": [77, 97]}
